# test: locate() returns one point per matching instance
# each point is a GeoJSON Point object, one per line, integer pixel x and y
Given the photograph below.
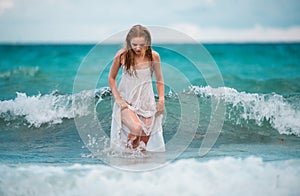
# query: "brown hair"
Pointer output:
{"type": "Point", "coordinates": [136, 31]}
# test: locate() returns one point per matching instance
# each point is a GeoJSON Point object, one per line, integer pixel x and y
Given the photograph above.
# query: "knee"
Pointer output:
{"type": "Point", "coordinates": [137, 129]}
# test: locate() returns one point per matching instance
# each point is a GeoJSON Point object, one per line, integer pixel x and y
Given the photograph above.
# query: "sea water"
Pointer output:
{"type": "Point", "coordinates": [42, 150]}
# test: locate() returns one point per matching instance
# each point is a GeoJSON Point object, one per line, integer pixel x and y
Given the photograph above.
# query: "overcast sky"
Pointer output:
{"type": "Point", "coordinates": [94, 20]}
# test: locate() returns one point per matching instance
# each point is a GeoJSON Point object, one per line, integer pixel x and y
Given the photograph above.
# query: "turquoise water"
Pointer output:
{"type": "Point", "coordinates": [40, 141]}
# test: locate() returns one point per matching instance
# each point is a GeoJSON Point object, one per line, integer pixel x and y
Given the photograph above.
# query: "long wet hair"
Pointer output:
{"type": "Point", "coordinates": [136, 31]}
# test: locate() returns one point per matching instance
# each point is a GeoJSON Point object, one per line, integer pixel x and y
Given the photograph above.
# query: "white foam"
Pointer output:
{"type": "Point", "coordinates": [53, 108]}
{"type": "Point", "coordinates": [258, 107]}
{"type": "Point", "coordinates": [227, 176]}
{"type": "Point", "coordinates": [21, 70]}
{"type": "Point", "coordinates": [49, 108]}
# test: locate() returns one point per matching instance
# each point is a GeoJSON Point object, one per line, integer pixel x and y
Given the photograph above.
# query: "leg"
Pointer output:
{"type": "Point", "coordinates": [131, 121]}
{"type": "Point", "coordinates": [147, 123]}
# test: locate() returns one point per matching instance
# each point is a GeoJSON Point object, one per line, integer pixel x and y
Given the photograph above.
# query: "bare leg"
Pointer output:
{"type": "Point", "coordinates": [147, 122]}
{"type": "Point", "coordinates": [131, 121]}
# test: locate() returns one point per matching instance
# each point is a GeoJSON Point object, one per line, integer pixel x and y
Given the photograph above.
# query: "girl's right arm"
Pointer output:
{"type": "Point", "coordinates": [112, 79]}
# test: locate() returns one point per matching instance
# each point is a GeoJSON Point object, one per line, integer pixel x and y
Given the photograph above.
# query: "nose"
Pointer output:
{"type": "Point", "coordinates": [138, 47]}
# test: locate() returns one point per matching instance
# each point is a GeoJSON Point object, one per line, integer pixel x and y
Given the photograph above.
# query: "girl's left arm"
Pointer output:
{"type": "Point", "coordinates": [159, 82]}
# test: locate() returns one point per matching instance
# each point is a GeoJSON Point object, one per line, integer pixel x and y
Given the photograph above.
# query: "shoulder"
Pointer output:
{"type": "Point", "coordinates": [120, 53]}
{"type": "Point", "coordinates": [155, 56]}
{"type": "Point", "coordinates": [120, 56]}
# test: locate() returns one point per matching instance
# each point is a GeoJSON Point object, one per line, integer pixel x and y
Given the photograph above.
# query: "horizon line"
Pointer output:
{"type": "Point", "coordinates": [159, 42]}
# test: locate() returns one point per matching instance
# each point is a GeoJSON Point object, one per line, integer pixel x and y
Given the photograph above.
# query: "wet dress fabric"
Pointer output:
{"type": "Point", "coordinates": [137, 90]}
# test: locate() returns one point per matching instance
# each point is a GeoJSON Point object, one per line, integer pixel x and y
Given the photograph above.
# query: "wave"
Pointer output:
{"type": "Point", "coordinates": [226, 176]}
{"type": "Point", "coordinates": [51, 108]}
{"type": "Point", "coordinates": [242, 107]}
{"type": "Point", "coordinates": [245, 109]}
{"type": "Point", "coordinates": [29, 71]}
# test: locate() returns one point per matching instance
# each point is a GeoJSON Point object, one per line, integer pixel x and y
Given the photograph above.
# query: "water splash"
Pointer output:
{"type": "Point", "coordinates": [244, 107]}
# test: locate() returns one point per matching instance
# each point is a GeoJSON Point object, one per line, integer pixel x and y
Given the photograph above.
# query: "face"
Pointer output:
{"type": "Point", "coordinates": [138, 44]}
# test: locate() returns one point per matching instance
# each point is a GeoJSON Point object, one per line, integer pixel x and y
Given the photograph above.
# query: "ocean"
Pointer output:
{"type": "Point", "coordinates": [55, 113]}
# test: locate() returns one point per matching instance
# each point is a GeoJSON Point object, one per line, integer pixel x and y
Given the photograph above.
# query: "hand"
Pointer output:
{"type": "Point", "coordinates": [160, 107]}
{"type": "Point", "coordinates": [123, 104]}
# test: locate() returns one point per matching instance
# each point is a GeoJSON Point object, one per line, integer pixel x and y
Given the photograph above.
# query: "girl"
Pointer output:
{"type": "Point", "coordinates": [136, 117]}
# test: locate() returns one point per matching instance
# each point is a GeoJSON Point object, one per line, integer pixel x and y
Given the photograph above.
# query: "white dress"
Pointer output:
{"type": "Point", "coordinates": [136, 89]}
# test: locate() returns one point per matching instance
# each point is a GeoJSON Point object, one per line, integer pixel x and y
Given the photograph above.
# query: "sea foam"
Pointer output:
{"type": "Point", "coordinates": [48, 108]}
{"type": "Point", "coordinates": [226, 176]}
{"type": "Point", "coordinates": [30, 71]}
{"type": "Point", "coordinates": [242, 106]}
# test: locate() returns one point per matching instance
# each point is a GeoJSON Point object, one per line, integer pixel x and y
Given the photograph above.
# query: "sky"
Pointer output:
{"type": "Point", "coordinates": [204, 20]}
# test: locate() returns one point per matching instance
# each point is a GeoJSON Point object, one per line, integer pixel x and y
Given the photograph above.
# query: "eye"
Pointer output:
{"type": "Point", "coordinates": [134, 44]}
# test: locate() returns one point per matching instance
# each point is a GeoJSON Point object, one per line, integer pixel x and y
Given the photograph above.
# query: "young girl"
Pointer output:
{"type": "Point", "coordinates": [137, 118]}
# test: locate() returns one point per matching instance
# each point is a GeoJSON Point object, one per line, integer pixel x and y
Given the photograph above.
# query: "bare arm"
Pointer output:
{"type": "Point", "coordinates": [159, 82]}
{"type": "Point", "coordinates": [112, 79]}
